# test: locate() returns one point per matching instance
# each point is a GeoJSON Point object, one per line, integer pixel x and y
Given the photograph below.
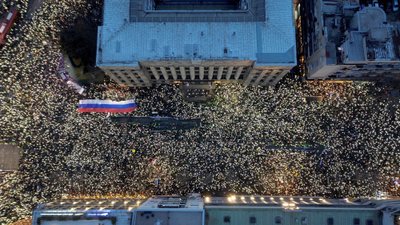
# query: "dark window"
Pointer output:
{"type": "Point", "coordinates": [356, 221]}
{"type": "Point", "coordinates": [303, 221]}
{"type": "Point", "coordinates": [252, 219]}
{"type": "Point", "coordinates": [227, 219]}
{"type": "Point", "coordinates": [369, 222]}
{"type": "Point", "coordinates": [278, 220]}
{"type": "Point", "coordinates": [329, 221]}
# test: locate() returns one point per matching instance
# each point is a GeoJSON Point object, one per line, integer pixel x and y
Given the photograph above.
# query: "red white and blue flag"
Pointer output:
{"type": "Point", "coordinates": [106, 106]}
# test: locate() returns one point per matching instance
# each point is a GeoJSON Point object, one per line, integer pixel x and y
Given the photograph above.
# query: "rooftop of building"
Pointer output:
{"type": "Point", "coordinates": [293, 202]}
{"type": "Point", "coordinates": [370, 37]}
{"type": "Point", "coordinates": [356, 34]}
{"type": "Point", "coordinates": [126, 38]}
{"type": "Point", "coordinates": [90, 204]}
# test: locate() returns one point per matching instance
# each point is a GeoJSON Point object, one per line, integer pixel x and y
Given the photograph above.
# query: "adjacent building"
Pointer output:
{"type": "Point", "coordinates": [232, 210]}
{"type": "Point", "coordinates": [145, 42]}
{"type": "Point", "coordinates": [345, 40]}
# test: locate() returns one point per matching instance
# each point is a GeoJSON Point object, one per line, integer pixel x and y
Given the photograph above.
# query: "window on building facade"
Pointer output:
{"type": "Point", "coordinates": [252, 219]}
{"type": "Point", "coordinates": [304, 221]}
{"type": "Point", "coordinates": [278, 220]}
{"type": "Point", "coordinates": [329, 221]}
{"type": "Point", "coordinates": [356, 221]}
{"type": "Point", "coordinates": [369, 222]}
{"type": "Point", "coordinates": [227, 219]}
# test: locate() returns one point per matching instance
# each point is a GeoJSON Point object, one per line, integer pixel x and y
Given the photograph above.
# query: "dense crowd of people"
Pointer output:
{"type": "Point", "coordinates": [251, 140]}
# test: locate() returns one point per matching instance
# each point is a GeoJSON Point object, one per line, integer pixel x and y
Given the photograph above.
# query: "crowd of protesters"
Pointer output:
{"type": "Point", "coordinates": [251, 140]}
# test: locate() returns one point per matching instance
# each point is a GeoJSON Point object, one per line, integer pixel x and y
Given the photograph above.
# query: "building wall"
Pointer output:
{"type": "Point", "coordinates": [370, 71]}
{"type": "Point", "coordinates": [223, 215]}
{"type": "Point", "coordinates": [121, 217]}
{"type": "Point", "coordinates": [156, 72]}
{"type": "Point", "coordinates": [241, 216]}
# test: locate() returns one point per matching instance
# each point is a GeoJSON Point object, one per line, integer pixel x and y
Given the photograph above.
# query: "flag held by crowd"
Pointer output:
{"type": "Point", "coordinates": [106, 106]}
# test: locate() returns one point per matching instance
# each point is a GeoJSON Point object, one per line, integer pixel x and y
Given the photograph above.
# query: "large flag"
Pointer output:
{"type": "Point", "coordinates": [106, 106]}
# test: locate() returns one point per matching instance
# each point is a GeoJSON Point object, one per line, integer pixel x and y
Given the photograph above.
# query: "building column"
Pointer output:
{"type": "Point", "coordinates": [260, 77]}
{"type": "Point", "coordinates": [144, 77]}
{"type": "Point", "coordinates": [229, 73]}
{"type": "Point", "coordinates": [132, 76]}
{"type": "Point", "coordinates": [270, 77]}
{"type": "Point", "coordinates": [220, 71]}
{"type": "Point", "coordinates": [210, 72]}
{"type": "Point", "coordinates": [201, 72]}
{"type": "Point", "coordinates": [173, 72]}
{"type": "Point", "coordinates": [164, 72]}
{"type": "Point", "coordinates": [114, 78]}
{"type": "Point", "coordinates": [183, 72]}
{"type": "Point", "coordinates": [279, 77]}
{"type": "Point", "coordinates": [125, 78]}
{"type": "Point", "coordinates": [155, 73]}
{"type": "Point", "coordinates": [250, 77]}
{"type": "Point", "coordinates": [192, 76]}
{"type": "Point", "coordinates": [238, 72]}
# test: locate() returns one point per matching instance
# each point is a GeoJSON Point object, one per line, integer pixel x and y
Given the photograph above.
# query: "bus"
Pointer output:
{"type": "Point", "coordinates": [6, 23]}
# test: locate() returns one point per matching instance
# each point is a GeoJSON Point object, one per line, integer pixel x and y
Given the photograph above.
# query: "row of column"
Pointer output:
{"type": "Point", "coordinates": [212, 71]}
{"type": "Point", "coordinates": [139, 79]}
{"type": "Point", "coordinates": [267, 75]}
{"type": "Point", "coordinates": [255, 77]}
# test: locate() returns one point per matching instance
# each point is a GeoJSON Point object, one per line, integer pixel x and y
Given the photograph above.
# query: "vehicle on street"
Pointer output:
{"type": "Point", "coordinates": [6, 23]}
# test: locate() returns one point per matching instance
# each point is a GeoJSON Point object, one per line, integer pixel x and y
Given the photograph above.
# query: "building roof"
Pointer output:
{"type": "Point", "coordinates": [124, 43]}
{"type": "Point", "coordinates": [369, 38]}
{"type": "Point", "coordinates": [91, 204]}
{"type": "Point", "coordinates": [286, 202]}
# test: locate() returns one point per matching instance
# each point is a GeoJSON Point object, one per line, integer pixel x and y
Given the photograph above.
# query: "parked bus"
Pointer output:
{"type": "Point", "coordinates": [6, 23]}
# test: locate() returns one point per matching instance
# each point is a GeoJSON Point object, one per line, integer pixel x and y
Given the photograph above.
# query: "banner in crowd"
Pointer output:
{"type": "Point", "coordinates": [106, 106]}
{"type": "Point", "coordinates": [61, 69]}
{"type": "Point", "coordinates": [78, 88]}
{"type": "Point", "coordinates": [71, 82]}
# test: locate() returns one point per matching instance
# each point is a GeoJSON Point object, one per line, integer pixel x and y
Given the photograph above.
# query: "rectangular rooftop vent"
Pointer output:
{"type": "Point", "coordinates": [195, 5]}
{"type": "Point", "coordinates": [172, 203]}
